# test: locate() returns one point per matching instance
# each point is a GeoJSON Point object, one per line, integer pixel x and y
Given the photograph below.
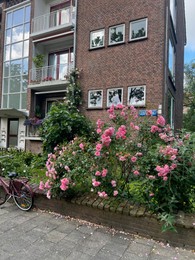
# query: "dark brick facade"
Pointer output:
{"type": "Point", "coordinates": [132, 63]}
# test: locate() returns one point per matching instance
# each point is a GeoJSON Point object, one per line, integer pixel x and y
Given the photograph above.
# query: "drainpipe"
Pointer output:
{"type": "Point", "coordinates": [75, 29]}
{"type": "Point", "coordinates": [166, 59]}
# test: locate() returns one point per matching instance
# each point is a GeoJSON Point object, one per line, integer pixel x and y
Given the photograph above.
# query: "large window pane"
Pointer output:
{"type": "Point", "coordinates": [14, 100]}
{"type": "Point", "coordinates": [24, 83]}
{"type": "Point", "coordinates": [16, 67]}
{"type": "Point", "coordinates": [9, 20]}
{"type": "Point", "coordinates": [26, 48]}
{"type": "Point", "coordinates": [18, 16]}
{"type": "Point", "coordinates": [5, 86]}
{"type": "Point", "coordinates": [15, 84]}
{"type": "Point", "coordinates": [27, 14]}
{"type": "Point", "coordinates": [17, 33]}
{"type": "Point", "coordinates": [16, 50]}
{"type": "Point", "coordinates": [26, 31]}
{"type": "Point", "coordinates": [5, 101]}
{"type": "Point", "coordinates": [25, 66]}
{"type": "Point", "coordinates": [8, 36]}
{"type": "Point", "coordinates": [171, 59]}
{"type": "Point", "coordinates": [24, 104]}
{"type": "Point", "coordinates": [6, 69]}
{"type": "Point", "coordinates": [7, 52]}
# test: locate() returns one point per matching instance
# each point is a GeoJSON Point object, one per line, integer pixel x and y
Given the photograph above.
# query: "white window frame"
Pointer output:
{"type": "Point", "coordinates": [116, 101]}
{"type": "Point", "coordinates": [122, 26]}
{"type": "Point", "coordinates": [146, 29]}
{"type": "Point", "coordinates": [138, 103]}
{"type": "Point", "coordinates": [100, 104]}
{"type": "Point", "coordinates": [94, 35]}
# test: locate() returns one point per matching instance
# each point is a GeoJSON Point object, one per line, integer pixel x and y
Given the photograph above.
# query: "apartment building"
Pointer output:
{"type": "Point", "coordinates": [129, 52]}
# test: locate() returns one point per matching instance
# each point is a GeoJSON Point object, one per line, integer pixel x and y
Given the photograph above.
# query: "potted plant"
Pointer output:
{"type": "Point", "coordinates": [38, 62]}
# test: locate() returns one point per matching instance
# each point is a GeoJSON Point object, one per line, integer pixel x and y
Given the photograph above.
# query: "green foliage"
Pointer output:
{"type": "Point", "coordinates": [39, 60]}
{"type": "Point", "coordinates": [26, 164]}
{"type": "Point", "coordinates": [63, 124]}
{"type": "Point", "coordinates": [189, 97]}
{"type": "Point", "coordinates": [64, 121]}
{"type": "Point", "coordinates": [73, 161]}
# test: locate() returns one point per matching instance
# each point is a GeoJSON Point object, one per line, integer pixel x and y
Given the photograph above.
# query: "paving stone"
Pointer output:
{"type": "Point", "coordinates": [55, 236]}
{"type": "Point", "coordinates": [115, 248]}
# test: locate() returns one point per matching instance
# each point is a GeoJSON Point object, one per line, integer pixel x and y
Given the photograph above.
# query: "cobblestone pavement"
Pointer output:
{"type": "Point", "coordinates": [42, 235]}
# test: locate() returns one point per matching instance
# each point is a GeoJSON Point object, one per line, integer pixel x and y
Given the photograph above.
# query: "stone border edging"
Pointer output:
{"type": "Point", "coordinates": [123, 216]}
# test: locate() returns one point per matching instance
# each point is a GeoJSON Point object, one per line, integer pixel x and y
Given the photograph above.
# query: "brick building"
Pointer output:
{"type": "Point", "coordinates": [129, 52]}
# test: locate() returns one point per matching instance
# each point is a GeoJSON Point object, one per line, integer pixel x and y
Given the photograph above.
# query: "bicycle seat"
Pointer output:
{"type": "Point", "coordinates": [12, 175]}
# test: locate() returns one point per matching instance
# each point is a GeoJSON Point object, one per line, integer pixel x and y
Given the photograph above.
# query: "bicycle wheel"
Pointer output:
{"type": "Point", "coordinates": [24, 198]}
{"type": "Point", "coordinates": [3, 196]}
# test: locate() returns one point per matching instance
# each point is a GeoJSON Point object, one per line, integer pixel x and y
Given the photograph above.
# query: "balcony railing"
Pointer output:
{"type": "Point", "coordinates": [50, 74]}
{"type": "Point", "coordinates": [54, 19]}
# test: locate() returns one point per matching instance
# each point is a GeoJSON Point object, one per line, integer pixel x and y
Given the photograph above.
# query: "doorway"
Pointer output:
{"type": "Point", "coordinates": [12, 138]}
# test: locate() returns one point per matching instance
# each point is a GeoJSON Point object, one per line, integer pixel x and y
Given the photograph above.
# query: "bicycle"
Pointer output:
{"type": "Point", "coordinates": [18, 189]}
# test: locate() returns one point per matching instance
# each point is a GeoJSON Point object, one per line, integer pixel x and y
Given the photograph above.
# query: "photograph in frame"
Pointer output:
{"type": "Point", "coordinates": [114, 96]}
{"type": "Point", "coordinates": [95, 98]}
{"type": "Point", "coordinates": [97, 39]}
{"type": "Point", "coordinates": [136, 96]}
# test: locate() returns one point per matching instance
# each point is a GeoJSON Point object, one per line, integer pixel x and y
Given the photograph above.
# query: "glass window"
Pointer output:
{"type": "Point", "coordinates": [24, 83]}
{"type": "Point", "coordinates": [171, 60]}
{"type": "Point", "coordinates": [7, 52]}
{"type": "Point", "coordinates": [171, 108]}
{"type": "Point", "coordinates": [26, 49]}
{"type": "Point", "coordinates": [117, 34]}
{"type": "Point", "coordinates": [27, 13]}
{"type": "Point", "coordinates": [8, 36]}
{"type": "Point", "coordinates": [17, 33]}
{"type": "Point", "coordinates": [16, 67]}
{"type": "Point", "coordinates": [138, 29]}
{"type": "Point", "coordinates": [18, 16]}
{"type": "Point", "coordinates": [25, 66]}
{"type": "Point", "coordinates": [5, 86]}
{"type": "Point", "coordinates": [173, 11]}
{"type": "Point", "coordinates": [24, 104]}
{"type": "Point", "coordinates": [16, 50]}
{"type": "Point", "coordinates": [6, 69]}
{"type": "Point", "coordinates": [26, 31]}
{"type": "Point", "coordinates": [9, 20]}
{"type": "Point", "coordinates": [15, 84]}
{"type": "Point", "coordinates": [14, 100]}
{"type": "Point", "coordinates": [5, 97]}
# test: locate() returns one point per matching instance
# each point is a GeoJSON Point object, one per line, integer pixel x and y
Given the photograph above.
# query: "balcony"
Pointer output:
{"type": "Point", "coordinates": [49, 78]}
{"type": "Point", "coordinates": [52, 22]}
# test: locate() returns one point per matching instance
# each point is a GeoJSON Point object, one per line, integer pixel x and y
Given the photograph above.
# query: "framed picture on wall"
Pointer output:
{"type": "Point", "coordinates": [97, 39]}
{"type": "Point", "coordinates": [114, 96]}
{"type": "Point", "coordinates": [117, 34]}
{"type": "Point", "coordinates": [136, 96]}
{"type": "Point", "coordinates": [95, 98]}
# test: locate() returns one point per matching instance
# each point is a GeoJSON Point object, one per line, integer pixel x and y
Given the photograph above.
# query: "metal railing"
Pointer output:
{"type": "Point", "coordinates": [50, 73]}
{"type": "Point", "coordinates": [54, 19]}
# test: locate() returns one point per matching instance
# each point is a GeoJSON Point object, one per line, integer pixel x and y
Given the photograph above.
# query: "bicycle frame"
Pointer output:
{"type": "Point", "coordinates": [10, 188]}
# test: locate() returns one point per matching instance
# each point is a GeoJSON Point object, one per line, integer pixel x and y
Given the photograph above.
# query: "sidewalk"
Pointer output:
{"type": "Point", "coordinates": [41, 235]}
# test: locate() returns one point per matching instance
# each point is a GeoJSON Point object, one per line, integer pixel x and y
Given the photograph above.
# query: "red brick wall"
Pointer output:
{"type": "Point", "coordinates": [132, 63]}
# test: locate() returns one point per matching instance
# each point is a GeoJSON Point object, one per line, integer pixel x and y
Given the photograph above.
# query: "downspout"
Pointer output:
{"type": "Point", "coordinates": [166, 60]}
{"type": "Point", "coordinates": [75, 29]}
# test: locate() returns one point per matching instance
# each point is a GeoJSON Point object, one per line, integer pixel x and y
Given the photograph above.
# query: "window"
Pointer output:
{"type": "Point", "coordinates": [60, 64]}
{"type": "Point", "coordinates": [172, 60]}
{"type": "Point", "coordinates": [114, 96]}
{"type": "Point", "coordinates": [138, 29]}
{"type": "Point", "coordinates": [95, 98]}
{"type": "Point", "coordinates": [173, 11]}
{"type": "Point", "coordinates": [136, 96]}
{"type": "Point", "coordinates": [97, 39]}
{"type": "Point", "coordinates": [117, 34]}
{"type": "Point", "coordinates": [171, 108]}
{"type": "Point", "coordinates": [60, 14]}
{"type": "Point", "coordinates": [16, 52]}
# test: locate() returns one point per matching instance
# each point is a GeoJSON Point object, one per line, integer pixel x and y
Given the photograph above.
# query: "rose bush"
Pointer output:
{"type": "Point", "coordinates": [136, 158]}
